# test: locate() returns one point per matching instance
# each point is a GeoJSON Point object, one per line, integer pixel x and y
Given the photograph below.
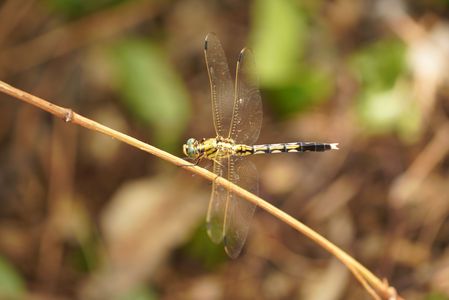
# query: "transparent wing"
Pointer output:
{"type": "Point", "coordinates": [239, 212]}
{"type": "Point", "coordinates": [222, 90]}
{"type": "Point", "coordinates": [247, 110]}
{"type": "Point", "coordinates": [217, 203]}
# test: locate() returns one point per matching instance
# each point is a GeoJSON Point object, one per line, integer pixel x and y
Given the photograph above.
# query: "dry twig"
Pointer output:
{"type": "Point", "coordinates": [377, 288]}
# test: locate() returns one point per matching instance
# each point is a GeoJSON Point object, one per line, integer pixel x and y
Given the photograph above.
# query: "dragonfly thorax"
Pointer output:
{"type": "Point", "coordinates": [218, 147]}
{"type": "Point", "coordinates": [209, 148]}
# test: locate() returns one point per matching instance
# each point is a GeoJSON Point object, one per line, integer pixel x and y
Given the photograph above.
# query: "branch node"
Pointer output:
{"type": "Point", "coordinates": [68, 116]}
{"type": "Point", "coordinates": [391, 291]}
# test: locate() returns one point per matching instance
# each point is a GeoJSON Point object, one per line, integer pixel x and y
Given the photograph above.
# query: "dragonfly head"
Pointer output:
{"type": "Point", "coordinates": [190, 148]}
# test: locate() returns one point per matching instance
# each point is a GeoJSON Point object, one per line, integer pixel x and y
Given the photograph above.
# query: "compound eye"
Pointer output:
{"type": "Point", "coordinates": [189, 148]}
{"type": "Point", "coordinates": [191, 151]}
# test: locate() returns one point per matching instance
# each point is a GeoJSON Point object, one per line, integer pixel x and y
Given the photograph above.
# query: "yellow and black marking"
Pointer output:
{"type": "Point", "coordinates": [243, 150]}
{"type": "Point", "coordinates": [219, 147]}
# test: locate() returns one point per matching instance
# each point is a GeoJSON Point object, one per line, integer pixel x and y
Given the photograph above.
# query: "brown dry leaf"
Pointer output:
{"type": "Point", "coordinates": [280, 175]}
{"type": "Point", "coordinates": [327, 284]}
{"type": "Point", "coordinates": [440, 276]}
{"type": "Point", "coordinates": [278, 285]}
{"type": "Point", "coordinates": [409, 253]}
{"type": "Point", "coordinates": [145, 220]}
{"type": "Point", "coordinates": [203, 288]}
{"type": "Point", "coordinates": [335, 197]}
{"type": "Point", "coordinates": [407, 184]}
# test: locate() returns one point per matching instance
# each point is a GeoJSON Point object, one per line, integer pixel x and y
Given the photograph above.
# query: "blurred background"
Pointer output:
{"type": "Point", "coordinates": [83, 216]}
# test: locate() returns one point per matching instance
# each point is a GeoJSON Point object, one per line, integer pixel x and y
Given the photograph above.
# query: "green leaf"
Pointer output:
{"type": "Point", "coordinates": [310, 88]}
{"type": "Point", "coordinates": [383, 111]}
{"type": "Point", "coordinates": [151, 89]}
{"type": "Point", "coordinates": [12, 285]}
{"type": "Point", "coordinates": [139, 293]}
{"type": "Point", "coordinates": [278, 34]}
{"type": "Point", "coordinates": [436, 296]}
{"type": "Point", "coordinates": [201, 249]}
{"type": "Point", "coordinates": [77, 8]}
{"type": "Point", "coordinates": [386, 102]}
{"type": "Point", "coordinates": [380, 64]}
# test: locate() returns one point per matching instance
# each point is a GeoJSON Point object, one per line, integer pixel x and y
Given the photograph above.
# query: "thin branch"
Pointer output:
{"type": "Point", "coordinates": [375, 287]}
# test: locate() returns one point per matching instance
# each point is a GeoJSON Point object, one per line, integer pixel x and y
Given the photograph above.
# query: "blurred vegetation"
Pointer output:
{"type": "Point", "coordinates": [280, 34]}
{"type": "Point", "coordinates": [151, 89]}
{"type": "Point", "coordinates": [384, 102]}
{"type": "Point", "coordinates": [83, 217]}
{"type": "Point", "coordinates": [78, 8]}
{"type": "Point", "coordinates": [12, 285]}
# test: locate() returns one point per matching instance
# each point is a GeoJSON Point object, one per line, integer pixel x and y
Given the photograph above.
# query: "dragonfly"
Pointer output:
{"type": "Point", "coordinates": [237, 118]}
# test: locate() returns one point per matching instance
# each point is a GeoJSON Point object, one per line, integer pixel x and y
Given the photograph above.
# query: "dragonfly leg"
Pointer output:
{"type": "Point", "coordinates": [193, 164]}
{"type": "Point", "coordinates": [216, 161]}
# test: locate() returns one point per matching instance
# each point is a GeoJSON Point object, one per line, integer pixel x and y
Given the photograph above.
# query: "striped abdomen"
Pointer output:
{"type": "Point", "coordinates": [243, 150]}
